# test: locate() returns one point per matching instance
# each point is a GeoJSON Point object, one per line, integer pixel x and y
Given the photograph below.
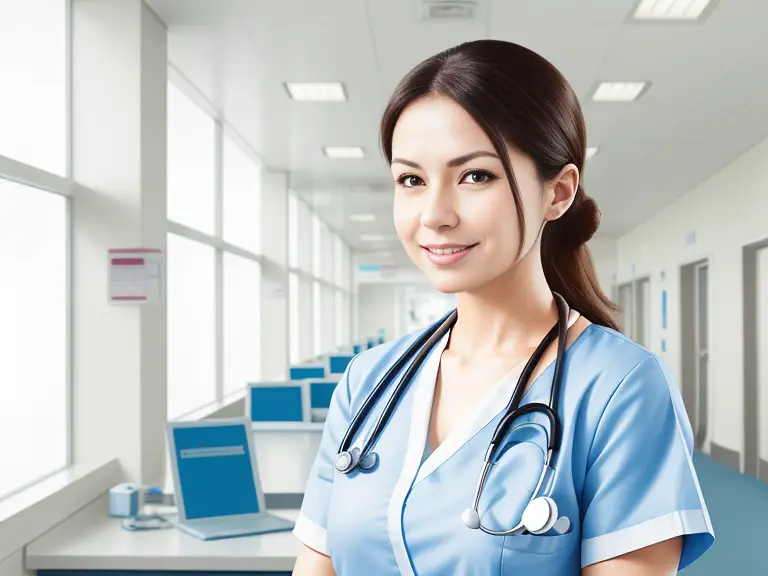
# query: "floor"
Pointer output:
{"type": "Point", "coordinates": [738, 507]}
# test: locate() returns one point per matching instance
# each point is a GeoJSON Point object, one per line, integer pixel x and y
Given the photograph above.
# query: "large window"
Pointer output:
{"type": "Point", "coordinates": [294, 319]}
{"type": "Point", "coordinates": [293, 230]}
{"type": "Point", "coordinates": [242, 198]}
{"type": "Point", "coordinates": [214, 292]}
{"type": "Point", "coordinates": [33, 98]}
{"type": "Point", "coordinates": [242, 319]}
{"type": "Point", "coordinates": [317, 261]}
{"type": "Point", "coordinates": [191, 325]}
{"type": "Point", "coordinates": [191, 164]}
{"type": "Point", "coordinates": [317, 318]}
{"type": "Point", "coordinates": [33, 334]}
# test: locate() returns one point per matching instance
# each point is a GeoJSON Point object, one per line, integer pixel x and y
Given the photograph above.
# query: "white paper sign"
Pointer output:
{"type": "Point", "coordinates": [135, 276]}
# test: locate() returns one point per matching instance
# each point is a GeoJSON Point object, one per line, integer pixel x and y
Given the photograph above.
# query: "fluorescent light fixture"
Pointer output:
{"type": "Point", "coordinates": [362, 217]}
{"type": "Point", "coordinates": [591, 151]}
{"type": "Point", "coordinates": [316, 91]}
{"type": "Point", "coordinates": [371, 238]}
{"type": "Point", "coordinates": [344, 152]}
{"type": "Point", "coordinates": [619, 91]}
{"type": "Point", "coordinates": [670, 9]}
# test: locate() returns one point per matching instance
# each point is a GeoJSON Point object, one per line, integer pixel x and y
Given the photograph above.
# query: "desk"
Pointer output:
{"type": "Point", "coordinates": [93, 544]}
{"type": "Point", "coordinates": [278, 472]}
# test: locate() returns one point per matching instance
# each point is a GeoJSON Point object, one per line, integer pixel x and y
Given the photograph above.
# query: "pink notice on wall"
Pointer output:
{"type": "Point", "coordinates": [135, 276]}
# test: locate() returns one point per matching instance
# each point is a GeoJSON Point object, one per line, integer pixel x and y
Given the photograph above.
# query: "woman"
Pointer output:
{"type": "Point", "coordinates": [486, 143]}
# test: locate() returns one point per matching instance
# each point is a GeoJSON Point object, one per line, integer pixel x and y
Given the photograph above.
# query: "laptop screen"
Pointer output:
{"type": "Point", "coordinates": [321, 394]}
{"type": "Point", "coordinates": [276, 404]}
{"type": "Point", "coordinates": [216, 477]}
{"type": "Point", "coordinates": [338, 363]}
{"type": "Point", "coordinates": [304, 372]}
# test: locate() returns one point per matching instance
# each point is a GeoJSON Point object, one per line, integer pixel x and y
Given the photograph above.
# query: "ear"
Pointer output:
{"type": "Point", "coordinates": [560, 192]}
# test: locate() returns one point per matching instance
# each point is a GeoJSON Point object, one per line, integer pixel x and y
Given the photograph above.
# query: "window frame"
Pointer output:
{"type": "Point", "coordinates": [222, 130]}
{"type": "Point", "coordinates": [325, 278]}
{"type": "Point", "coordinates": [30, 176]}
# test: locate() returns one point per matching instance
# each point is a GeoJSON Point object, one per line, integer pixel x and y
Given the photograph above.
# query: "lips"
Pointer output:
{"type": "Point", "coordinates": [447, 254]}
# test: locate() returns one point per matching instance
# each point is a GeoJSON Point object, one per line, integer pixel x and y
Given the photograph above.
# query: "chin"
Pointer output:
{"type": "Point", "coordinates": [452, 282]}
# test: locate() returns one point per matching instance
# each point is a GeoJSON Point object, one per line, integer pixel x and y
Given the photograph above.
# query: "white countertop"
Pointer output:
{"type": "Point", "coordinates": [91, 540]}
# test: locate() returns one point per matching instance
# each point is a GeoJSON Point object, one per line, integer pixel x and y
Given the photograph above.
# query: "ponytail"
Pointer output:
{"type": "Point", "coordinates": [568, 265]}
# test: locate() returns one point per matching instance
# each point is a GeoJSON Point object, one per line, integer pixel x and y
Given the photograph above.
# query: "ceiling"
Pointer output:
{"type": "Point", "coordinates": [707, 104]}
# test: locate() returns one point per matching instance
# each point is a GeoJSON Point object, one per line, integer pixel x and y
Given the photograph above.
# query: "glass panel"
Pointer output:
{"type": "Point", "coordinates": [241, 198]}
{"type": "Point", "coordinates": [191, 163]}
{"type": "Point", "coordinates": [33, 101]}
{"type": "Point", "coordinates": [191, 325]}
{"type": "Point", "coordinates": [242, 322]}
{"type": "Point", "coordinates": [33, 334]}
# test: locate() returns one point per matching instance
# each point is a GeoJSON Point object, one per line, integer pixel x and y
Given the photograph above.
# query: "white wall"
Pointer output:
{"type": "Point", "coordinates": [378, 308]}
{"type": "Point", "coordinates": [13, 565]}
{"type": "Point", "coordinates": [603, 253]}
{"type": "Point", "coordinates": [712, 221]}
{"type": "Point", "coordinates": [119, 353]}
{"type": "Point", "coordinates": [274, 275]}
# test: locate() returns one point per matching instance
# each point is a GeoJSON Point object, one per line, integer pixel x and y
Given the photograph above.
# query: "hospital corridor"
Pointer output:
{"type": "Point", "coordinates": [382, 287]}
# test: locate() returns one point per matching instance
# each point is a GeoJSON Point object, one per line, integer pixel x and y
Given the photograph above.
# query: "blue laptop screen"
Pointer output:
{"type": "Point", "coordinates": [215, 473]}
{"type": "Point", "coordinates": [304, 372]}
{"type": "Point", "coordinates": [321, 393]}
{"type": "Point", "coordinates": [339, 363]}
{"type": "Point", "coordinates": [276, 404]}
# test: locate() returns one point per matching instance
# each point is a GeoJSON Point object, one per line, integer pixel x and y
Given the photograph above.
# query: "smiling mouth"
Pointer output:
{"type": "Point", "coordinates": [450, 250]}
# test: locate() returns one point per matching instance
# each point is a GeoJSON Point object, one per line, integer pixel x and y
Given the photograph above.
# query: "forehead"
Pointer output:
{"type": "Point", "coordinates": [437, 127]}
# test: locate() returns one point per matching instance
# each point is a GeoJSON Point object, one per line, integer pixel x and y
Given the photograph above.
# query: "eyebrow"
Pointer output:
{"type": "Point", "coordinates": [451, 163]}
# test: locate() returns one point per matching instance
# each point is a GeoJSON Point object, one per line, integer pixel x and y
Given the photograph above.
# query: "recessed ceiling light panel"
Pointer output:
{"type": "Point", "coordinates": [671, 9]}
{"type": "Point", "coordinates": [344, 152]}
{"type": "Point", "coordinates": [619, 91]}
{"type": "Point", "coordinates": [591, 151]}
{"type": "Point", "coordinates": [362, 217]}
{"type": "Point", "coordinates": [316, 91]}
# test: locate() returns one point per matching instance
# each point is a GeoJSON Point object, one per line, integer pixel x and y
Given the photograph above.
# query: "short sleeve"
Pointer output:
{"type": "Point", "coordinates": [311, 524]}
{"type": "Point", "coordinates": [641, 487]}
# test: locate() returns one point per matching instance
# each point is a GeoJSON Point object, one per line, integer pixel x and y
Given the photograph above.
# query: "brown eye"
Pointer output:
{"type": "Point", "coordinates": [409, 181]}
{"type": "Point", "coordinates": [478, 177]}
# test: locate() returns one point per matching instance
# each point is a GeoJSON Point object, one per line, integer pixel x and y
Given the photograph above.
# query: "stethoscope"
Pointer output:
{"type": "Point", "coordinates": [540, 514]}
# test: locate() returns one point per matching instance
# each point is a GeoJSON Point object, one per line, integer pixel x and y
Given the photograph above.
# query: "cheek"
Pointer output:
{"type": "Point", "coordinates": [496, 221]}
{"type": "Point", "coordinates": [406, 219]}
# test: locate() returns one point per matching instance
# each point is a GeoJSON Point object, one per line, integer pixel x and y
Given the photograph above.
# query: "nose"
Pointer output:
{"type": "Point", "coordinates": [439, 209]}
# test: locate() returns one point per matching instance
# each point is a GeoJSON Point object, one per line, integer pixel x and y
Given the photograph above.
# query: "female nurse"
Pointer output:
{"type": "Point", "coordinates": [486, 145]}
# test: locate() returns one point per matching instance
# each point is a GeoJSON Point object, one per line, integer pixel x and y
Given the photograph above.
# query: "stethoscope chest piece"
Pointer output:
{"type": "Point", "coordinates": [540, 515]}
{"type": "Point", "coordinates": [346, 461]}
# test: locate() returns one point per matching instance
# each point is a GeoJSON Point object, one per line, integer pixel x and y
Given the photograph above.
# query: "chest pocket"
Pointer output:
{"type": "Point", "coordinates": [513, 477]}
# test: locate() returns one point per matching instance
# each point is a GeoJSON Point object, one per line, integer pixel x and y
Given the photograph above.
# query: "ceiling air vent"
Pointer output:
{"type": "Point", "coordinates": [448, 9]}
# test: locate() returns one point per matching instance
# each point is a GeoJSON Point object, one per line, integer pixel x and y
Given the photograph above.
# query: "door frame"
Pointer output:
{"type": "Point", "coordinates": [689, 340]}
{"type": "Point", "coordinates": [752, 461]}
{"type": "Point", "coordinates": [636, 316]}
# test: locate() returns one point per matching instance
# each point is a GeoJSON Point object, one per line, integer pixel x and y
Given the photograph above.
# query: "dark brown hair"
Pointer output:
{"type": "Point", "coordinates": [518, 97]}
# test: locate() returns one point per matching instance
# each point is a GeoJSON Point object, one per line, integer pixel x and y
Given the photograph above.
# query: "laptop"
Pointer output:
{"type": "Point", "coordinates": [218, 491]}
{"type": "Point", "coordinates": [276, 405]}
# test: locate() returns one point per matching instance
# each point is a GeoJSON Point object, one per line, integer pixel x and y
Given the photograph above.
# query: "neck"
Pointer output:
{"type": "Point", "coordinates": [509, 314]}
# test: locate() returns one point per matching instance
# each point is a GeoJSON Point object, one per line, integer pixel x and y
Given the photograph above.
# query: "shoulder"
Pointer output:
{"type": "Point", "coordinates": [626, 378]}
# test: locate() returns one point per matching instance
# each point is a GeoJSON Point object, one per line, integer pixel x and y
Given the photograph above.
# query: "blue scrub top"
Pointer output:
{"type": "Point", "coordinates": [624, 475]}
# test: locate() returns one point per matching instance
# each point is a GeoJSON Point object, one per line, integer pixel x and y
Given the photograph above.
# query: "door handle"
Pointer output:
{"type": "Point", "coordinates": [703, 353]}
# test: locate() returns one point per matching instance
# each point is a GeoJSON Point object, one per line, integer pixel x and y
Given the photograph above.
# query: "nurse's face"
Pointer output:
{"type": "Point", "coordinates": [453, 210]}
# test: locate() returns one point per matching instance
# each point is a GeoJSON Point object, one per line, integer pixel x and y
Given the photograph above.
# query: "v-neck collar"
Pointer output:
{"type": "Point", "coordinates": [490, 405]}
